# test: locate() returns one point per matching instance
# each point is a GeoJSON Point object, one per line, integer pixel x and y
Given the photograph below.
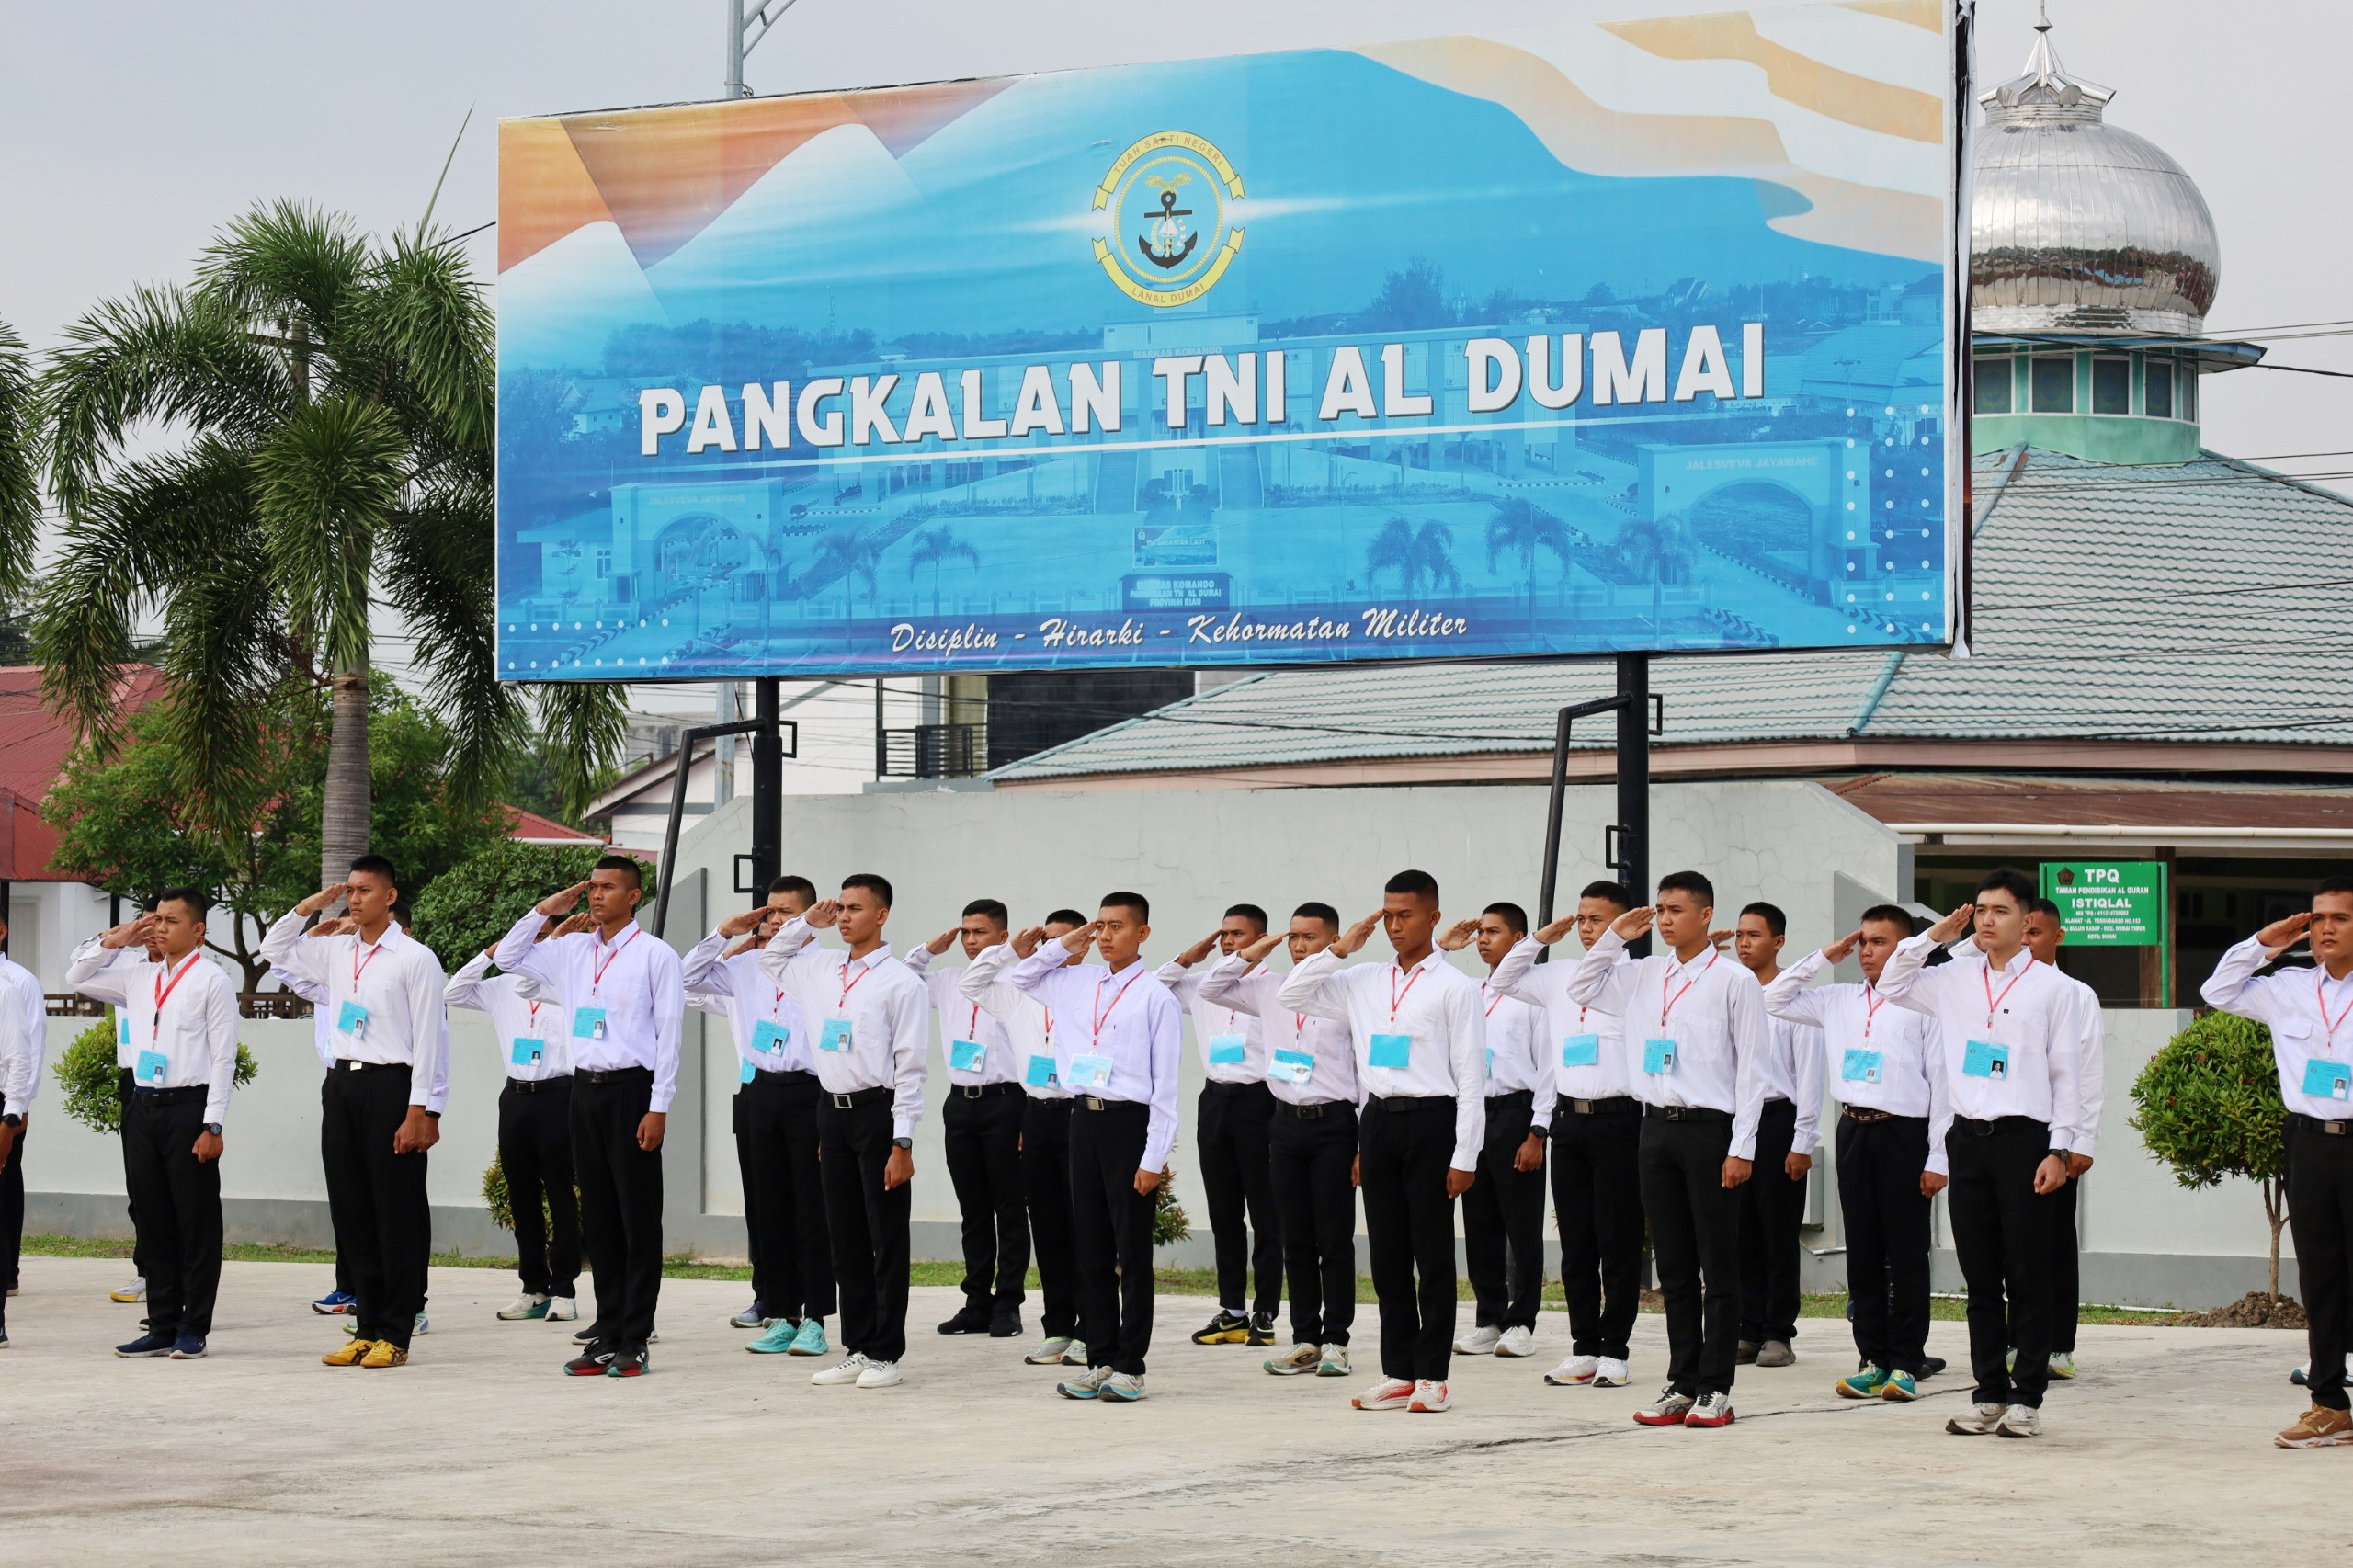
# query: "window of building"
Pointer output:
{"type": "Point", "coordinates": [2111, 386]}
{"type": "Point", "coordinates": [1993, 379]}
{"type": "Point", "coordinates": [604, 564]}
{"type": "Point", "coordinates": [2157, 390]}
{"type": "Point", "coordinates": [2054, 385]}
{"type": "Point", "coordinates": [2189, 392]}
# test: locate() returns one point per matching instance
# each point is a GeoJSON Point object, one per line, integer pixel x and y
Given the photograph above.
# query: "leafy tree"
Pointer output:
{"type": "Point", "coordinates": [469, 906]}
{"type": "Point", "coordinates": [2208, 1105]}
{"type": "Point", "coordinates": [19, 482]}
{"type": "Point", "coordinates": [848, 552]}
{"type": "Point", "coordinates": [1414, 554]}
{"type": "Point", "coordinates": [1522, 528]}
{"type": "Point", "coordinates": [1410, 300]}
{"type": "Point", "coordinates": [90, 1085]}
{"type": "Point", "coordinates": [934, 547]}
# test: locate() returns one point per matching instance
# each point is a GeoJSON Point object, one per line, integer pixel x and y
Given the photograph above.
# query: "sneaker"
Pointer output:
{"type": "Point", "coordinates": [1004, 1325]}
{"type": "Point", "coordinates": [424, 1323]}
{"type": "Point", "coordinates": [328, 1305]}
{"type": "Point", "coordinates": [1389, 1394]}
{"type": "Point", "coordinates": [879, 1375]}
{"type": "Point", "coordinates": [351, 1325]}
{"type": "Point", "coordinates": [2317, 1429]}
{"type": "Point", "coordinates": [970, 1320]}
{"type": "Point", "coordinates": [751, 1317]}
{"type": "Point", "coordinates": [134, 1291]}
{"type": "Point", "coordinates": [1262, 1329]}
{"type": "Point", "coordinates": [1868, 1383]}
{"type": "Point", "coordinates": [2302, 1376]}
{"type": "Point", "coordinates": [1900, 1387]}
{"type": "Point", "coordinates": [189, 1347]}
{"type": "Point", "coordinates": [1981, 1419]}
{"type": "Point", "coordinates": [1076, 1354]}
{"type": "Point", "coordinates": [1575, 1372]}
{"type": "Point", "coordinates": [148, 1344]}
{"type": "Point", "coordinates": [1668, 1410]}
{"type": "Point", "coordinates": [1518, 1340]}
{"type": "Point", "coordinates": [1930, 1365]}
{"type": "Point", "coordinates": [349, 1354]}
{"type": "Point", "coordinates": [1050, 1353]}
{"type": "Point", "coordinates": [1226, 1328]}
{"type": "Point", "coordinates": [1747, 1352]}
{"type": "Point", "coordinates": [631, 1362]}
{"type": "Point", "coordinates": [842, 1372]}
{"type": "Point", "coordinates": [4, 1339]}
{"type": "Point", "coordinates": [589, 1336]}
{"type": "Point", "coordinates": [1088, 1384]}
{"type": "Point", "coordinates": [2020, 1421]}
{"type": "Point", "coordinates": [1775, 1353]}
{"type": "Point", "coordinates": [591, 1362]}
{"type": "Point", "coordinates": [1334, 1363]}
{"type": "Point", "coordinates": [783, 1335]}
{"type": "Point", "coordinates": [562, 1309]}
{"type": "Point", "coordinates": [1430, 1397]}
{"type": "Point", "coordinates": [1480, 1341]}
{"type": "Point", "coordinates": [811, 1340]}
{"type": "Point", "coordinates": [528, 1306]}
{"type": "Point", "coordinates": [384, 1353]}
{"type": "Point", "coordinates": [1297, 1360]}
{"type": "Point", "coordinates": [2063, 1364]}
{"type": "Point", "coordinates": [1121, 1388]}
{"type": "Point", "coordinates": [1714, 1409]}
{"type": "Point", "coordinates": [1612, 1373]}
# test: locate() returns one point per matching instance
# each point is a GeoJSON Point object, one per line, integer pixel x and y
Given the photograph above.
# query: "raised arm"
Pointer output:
{"type": "Point", "coordinates": [1787, 998]}
{"type": "Point", "coordinates": [786, 950]}
{"type": "Point", "coordinates": [94, 973]}
{"type": "Point", "coordinates": [466, 987]}
{"type": "Point", "coordinates": [705, 967]}
{"type": "Point", "coordinates": [1521, 977]}
{"type": "Point", "coordinates": [1229, 983]}
{"type": "Point", "coordinates": [1035, 973]}
{"type": "Point", "coordinates": [1316, 986]}
{"type": "Point", "coordinates": [1604, 978]}
{"type": "Point", "coordinates": [521, 952]}
{"type": "Point", "coordinates": [2234, 988]}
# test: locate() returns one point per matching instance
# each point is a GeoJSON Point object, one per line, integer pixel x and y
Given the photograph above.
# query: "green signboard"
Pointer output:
{"type": "Point", "coordinates": [2108, 904]}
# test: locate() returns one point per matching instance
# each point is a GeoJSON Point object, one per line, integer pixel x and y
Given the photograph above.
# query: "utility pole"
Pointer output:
{"type": "Point", "coordinates": [745, 31]}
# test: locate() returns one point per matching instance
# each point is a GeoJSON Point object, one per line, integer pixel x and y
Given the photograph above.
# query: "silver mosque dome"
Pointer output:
{"type": "Point", "coordinates": [2078, 226]}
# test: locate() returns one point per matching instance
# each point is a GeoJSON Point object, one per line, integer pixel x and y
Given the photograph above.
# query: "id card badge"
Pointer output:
{"type": "Point", "coordinates": [749, 1072]}
{"type": "Point", "coordinates": [1390, 1051]}
{"type": "Point", "coordinates": [1581, 1051]}
{"type": "Point", "coordinates": [122, 1029]}
{"type": "Point", "coordinates": [1985, 1060]}
{"type": "Point", "coordinates": [150, 1068]}
{"type": "Point", "coordinates": [836, 1036]}
{"type": "Point", "coordinates": [588, 1023]}
{"type": "Point", "coordinates": [1225, 1050]}
{"type": "Point", "coordinates": [1291, 1066]}
{"type": "Point", "coordinates": [1658, 1056]}
{"type": "Point", "coordinates": [527, 1052]}
{"type": "Point", "coordinates": [1860, 1066]}
{"type": "Point", "coordinates": [1090, 1072]}
{"type": "Point", "coordinates": [2322, 1079]}
{"type": "Point", "coordinates": [769, 1037]}
{"type": "Point", "coordinates": [967, 1055]}
{"type": "Point", "coordinates": [1041, 1073]}
{"type": "Point", "coordinates": [352, 1019]}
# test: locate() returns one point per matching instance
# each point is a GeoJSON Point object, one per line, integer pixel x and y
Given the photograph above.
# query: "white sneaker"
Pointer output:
{"type": "Point", "coordinates": [1713, 1409]}
{"type": "Point", "coordinates": [879, 1374]}
{"type": "Point", "coordinates": [1479, 1342]}
{"type": "Point", "coordinates": [1076, 1355]}
{"type": "Point", "coordinates": [2020, 1421]}
{"type": "Point", "coordinates": [134, 1291]}
{"type": "Point", "coordinates": [1519, 1341]}
{"type": "Point", "coordinates": [1611, 1373]}
{"type": "Point", "coordinates": [848, 1370]}
{"type": "Point", "coordinates": [530, 1304]}
{"type": "Point", "coordinates": [2063, 1364]}
{"type": "Point", "coordinates": [1981, 1419]}
{"type": "Point", "coordinates": [1088, 1384]}
{"type": "Point", "coordinates": [1050, 1353]}
{"type": "Point", "coordinates": [1121, 1388]}
{"type": "Point", "coordinates": [1575, 1372]}
{"type": "Point", "coordinates": [1430, 1397]}
{"type": "Point", "coordinates": [1668, 1410]}
{"type": "Point", "coordinates": [1390, 1393]}
{"type": "Point", "coordinates": [424, 1324]}
{"type": "Point", "coordinates": [565, 1309]}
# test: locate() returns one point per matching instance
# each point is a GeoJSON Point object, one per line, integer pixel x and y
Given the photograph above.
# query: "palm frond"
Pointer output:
{"type": "Point", "coordinates": [328, 482]}
{"type": "Point", "coordinates": [285, 263]}
{"type": "Point", "coordinates": [424, 313]}
{"type": "Point", "coordinates": [585, 724]}
{"type": "Point", "coordinates": [19, 478]}
{"type": "Point", "coordinates": [437, 570]}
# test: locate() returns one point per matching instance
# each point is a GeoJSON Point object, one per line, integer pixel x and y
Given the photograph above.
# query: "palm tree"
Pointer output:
{"type": "Point", "coordinates": [1523, 528]}
{"type": "Point", "coordinates": [19, 480]}
{"type": "Point", "coordinates": [934, 547]}
{"type": "Point", "coordinates": [1434, 555]}
{"type": "Point", "coordinates": [851, 554]}
{"type": "Point", "coordinates": [337, 399]}
{"type": "Point", "coordinates": [1392, 551]}
{"type": "Point", "coordinates": [1660, 549]}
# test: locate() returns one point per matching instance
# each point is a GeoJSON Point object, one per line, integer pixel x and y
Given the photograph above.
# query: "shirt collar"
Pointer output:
{"type": "Point", "coordinates": [869, 962]}
{"type": "Point", "coordinates": [598, 938]}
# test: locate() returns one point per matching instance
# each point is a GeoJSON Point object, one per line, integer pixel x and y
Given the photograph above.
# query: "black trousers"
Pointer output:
{"type": "Point", "coordinates": [1503, 1221]}
{"type": "Point", "coordinates": [1887, 1237]}
{"type": "Point", "coordinates": [1232, 1137]}
{"type": "Point", "coordinates": [179, 1201]}
{"type": "Point", "coordinates": [1045, 1179]}
{"type": "Point", "coordinates": [1111, 1232]}
{"type": "Point", "coordinates": [2320, 1221]}
{"type": "Point", "coordinates": [534, 1151]}
{"type": "Point", "coordinates": [1308, 1162]}
{"type": "Point", "coordinates": [621, 1201]}
{"type": "Point", "coordinates": [868, 1226]}
{"type": "Point", "coordinates": [1409, 1230]}
{"type": "Point", "coordinates": [776, 1138]}
{"type": "Point", "coordinates": [1695, 1233]}
{"type": "Point", "coordinates": [125, 1081]}
{"type": "Point", "coordinates": [12, 1216]}
{"type": "Point", "coordinates": [1598, 1207]}
{"type": "Point", "coordinates": [2066, 1269]}
{"type": "Point", "coordinates": [984, 1139]}
{"type": "Point", "coordinates": [376, 1197]}
{"type": "Point", "coordinates": [2001, 1232]}
{"type": "Point", "coordinates": [1772, 1206]}
{"type": "Point", "coordinates": [345, 1251]}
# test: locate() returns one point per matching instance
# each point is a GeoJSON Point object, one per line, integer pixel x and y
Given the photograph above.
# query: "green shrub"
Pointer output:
{"type": "Point", "coordinates": [2208, 1105]}
{"type": "Point", "coordinates": [92, 1085]}
{"type": "Point", "coordinates": [501, 1202]}
{"type": "Point", "coordinates": [470, 905]}
{"type": "Point", "coordinates": [1169, 1220]}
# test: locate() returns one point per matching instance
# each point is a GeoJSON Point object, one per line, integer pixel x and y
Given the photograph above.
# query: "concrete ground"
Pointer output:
{"type": "Point", "coordinates": [478, 1451]}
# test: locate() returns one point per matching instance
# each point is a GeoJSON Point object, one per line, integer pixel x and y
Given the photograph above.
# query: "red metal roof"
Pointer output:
{"type": "Point", "coordinates": [530, 827]}
{"type": "Point", "coordinates": [34, 741]}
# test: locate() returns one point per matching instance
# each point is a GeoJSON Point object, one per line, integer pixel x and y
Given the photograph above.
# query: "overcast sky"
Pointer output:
{"type": "Point", "coordinates": [129, 132]}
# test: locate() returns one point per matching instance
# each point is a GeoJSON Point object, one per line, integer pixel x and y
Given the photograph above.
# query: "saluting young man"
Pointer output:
{"type": "Point", "coordinates": [1503, 1214]}
{"type": "Point", "coordinates": [1597, 1127]}
{"type": "Point", "coordinates": [2310, 1014]}
{"type": "Point", "coordinates": [381, 1105]}
{"type": "Point", "coordinates": [1696, 1036]}
{"type": "Point", "coordinates": [775, 1116]}
{"type": "Point", "coordinates": [1887, 1071]}
{"type": "Point", "coordinates": [1117, 1035]}
{"type": "Point", "coordinates": [1234, 1114]}
{"type": "Point", "coordinates": [1772, 1201]}
{"type": "Point", "coordinates": [2043, 934]}
{"type": "Point", "coordinates": [24, 1041]}
{"type": "Point", "coordinates": [183, 1013]}
{"type": "Point", "coordinates": [625, 991]}
{"type": "Point", "coordinates": [981, 1122]}
{"type": "Point", "coordinates": [1045, 1129]}
{"type": "Point", "coordinates": [1312, 1145]}
{"type": "Point", "coordinates": [2011, 1029]}
{"type": "Point", "coordinates": [1419, 1033]}
{"type": "Point", "coordinates": [868, 1011]}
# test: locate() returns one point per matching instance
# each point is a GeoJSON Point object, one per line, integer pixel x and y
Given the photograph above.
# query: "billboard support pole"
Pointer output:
{"type": "Point", "coordinates": [768, 782]}
{"type": "Point", "coordinates": [1639, 716]}
{"type": "Point", "coordinates": [666, 872]}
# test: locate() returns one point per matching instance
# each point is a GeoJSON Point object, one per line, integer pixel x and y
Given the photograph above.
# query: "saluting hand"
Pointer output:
{"type": "Point", "coordinates": [1953, 925]}
{"type": "Point", "coordinates": [1355, 936]}
{"type": "Point", "coordinates": [580, 921]}
{"type": "Point", "coordinates": [738, 924]}
{"type": "Point", "coordinates": [1836, 951]}
{"type": "Point", "coordinates": [823, 914]}
{"type": "Point", "coordinates": [557, 905]}
{"type": "Point", "coordinates": [1548, 935]}
{"type": "Point", "coordinates": [2282, 934]}
{"type": "Point", "coordinates": [941, 943]}
{"type": "Point", "coordinates": [1256, 950]}
{"type": "Point", "coordinates": [1458, 935]}
{"type": "Point", "coordinates": [1026, 942]}
{"type": "Point", "coordinates": [1077, 940]}
{"type": "Point", "coordinates": [130, 933]}
{"type": "Point", "coordinates": [1197, 951]}
{"type": "Point", "coordinates": [1633, 923]}
{"type": "Point", "coordinates": [323, 897]}
{"type": "Point", "coordinates": [1721, 938]}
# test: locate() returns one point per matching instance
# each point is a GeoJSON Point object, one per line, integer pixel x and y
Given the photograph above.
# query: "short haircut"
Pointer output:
{"type": "Point", "coordinates": [1690, 883]}
{"type": "Point", "coordinates": [800, 887]}
{"type": "Point", "coordinates": [198, 902]}
{"type": "Point", "coordinates": [1311, 910]}
{"type": "Point", "coordinates": [1065, 917]}
{"type": "Point", "coordinates": [1614, 892]}
{"type": "Point", "coordinates": [621, 863]}
{"type": "Point", "coordinates": [402, 917]}
{"type": "Point", "coordinates": [1249, 912]}
{"type": "Point", "coordinates": [376, 866]}
{"type": "Point", "coordinates": [1414, 884]}
{"type": "Point", "coordinates": [2009, 880]}
{"type": "Point", "coordinates": [2333, 885]}
{"type": "Point", "coordinates": [989, 909]}
{"type": "Point", "coordinates": [1894, 915]}
{"type": "Point", "coordinates": [1775, 921]}
{"type": "Point", "coordinates": [1134, 901]}
{"type": "Point", "coordinates": [1513, 917]}
{"type": "Point", "coordinates": [880, 886]}
{"type": "Point", "coordinates": [2044, 906]}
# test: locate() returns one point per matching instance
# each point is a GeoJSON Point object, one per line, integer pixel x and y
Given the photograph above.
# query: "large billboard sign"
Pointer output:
{"type": "Point", "coordinates": [1592, 337]}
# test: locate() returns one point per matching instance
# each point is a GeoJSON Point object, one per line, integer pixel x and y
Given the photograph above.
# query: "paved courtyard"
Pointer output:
{"type": "Point", "coordinates": [478, 1453]}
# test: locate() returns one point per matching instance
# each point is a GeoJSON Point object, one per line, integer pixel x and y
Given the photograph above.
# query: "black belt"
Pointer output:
{"type": "Point", "coordinates": [1980, 1129]}
{"type": "Point", "coordinates": [1616, 1105]}
{"type": "Point", "coordinates": [614, 1076]}
{"type": "Point", "coordinates": [1406, 1102]}
{"type": "Point", "coordinates": [879, 1095]}
{"type": "Point", "coordinates": [1865, 1115]}
{"type": "Point", "coordinates": [345, 1064]}
{"type": "Point", "coordinates": [1686, 1113]}
{"type": "Point", "coordinates": [192, 1094]}
{"type": "Point", "coordinates": [1214, 1086]}
{"type": "Point", "coordinates": [1097, 1102]}
{"type": "Point", "coordinates": [982, 1091]}
{"type": "Point", "coordinates": [1510, 1094]}
{"type": "Point", "coordinates": [1316, 1111]}
{"type": "Point", "coordinates": [533, 1086]}
{"type": "Point", "coordinates": [2314, 1124]}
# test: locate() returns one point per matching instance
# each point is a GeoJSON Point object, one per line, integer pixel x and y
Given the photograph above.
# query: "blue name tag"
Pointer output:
{"type": "Point", "coordinates": [1090, 1072]}
{"type": "Point", "coordinates": [769, 1037]}
{"type": "Point", "coordinates": [1860, 1067]}
{"type": "Point", "coordinates": [1390, 1051]}
{"type": "Point", "coordinates": [527, 1052]}
{"type": "Point", "coordinates": [1581, 1051]}
{"type": "Point", "coordinates": [1225, 1050]}
{"type": "Point", "coordinates": [748, 1073]}
{"type": "Point", "coordinates": [1658, 1056]}
{"type": "Point", "coordinates": [1291, 1066]}
{"type": "Point", "coordinates": [2322, 1079]}
{"type": "Point", "coordinates": [122, 1028]}
{"type": "Point", "coordinates": [588, 1023]}
{"type": "Point", "coordinates": [352, 1019]}
{"type": "Point", "coordinates": [1985, 1060]}
{"type": "Point", "coordinates": [1041, 1074]}
{"type": "Point", "coordinates": [150, 1068]}
{"type": "Point", "coordinates": [967, 1055]}
{"type": "Point", "coordinates": [836, 1036]}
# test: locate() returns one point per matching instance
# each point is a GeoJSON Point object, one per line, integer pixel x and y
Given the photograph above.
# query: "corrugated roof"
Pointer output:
{"type": "Point", "coordinates": [34, 741]}
{"type": "Point", "coordinates": [2210, 601]}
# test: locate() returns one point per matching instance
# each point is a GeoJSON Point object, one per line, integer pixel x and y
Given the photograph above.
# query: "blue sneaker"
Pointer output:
{"type": "Point", "coordinates": [189, 1347]}
{"type": "Point", "coordinates": [781, 1337]}
{"type": "Point", "coordinates": [1900, 1386]}
{"type": "Point", "coordinates": [333, 1302]}
{"type": "Point", "coordinates": [753, 1317]}
{"type": "Point", "coordinates": [148, 1344]}
{"type": "Point", "coordinates": [811, 1339]}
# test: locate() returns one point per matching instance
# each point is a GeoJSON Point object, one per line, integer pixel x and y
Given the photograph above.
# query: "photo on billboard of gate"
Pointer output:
{"type": "Point", "coordinates": [1593, 337]}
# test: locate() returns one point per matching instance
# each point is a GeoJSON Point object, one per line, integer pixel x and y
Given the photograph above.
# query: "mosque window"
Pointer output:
{"type": "Point", "coordinates": [2111, 386]}
{"type": "Point", "coordinates": [2054, 385]}
{"type": "Point", "coordinates": [1993, 381]}
{"type": "Point", "coordinates": [2157, 392]}
{"type": "Point", "coordinates": [2189, 392]}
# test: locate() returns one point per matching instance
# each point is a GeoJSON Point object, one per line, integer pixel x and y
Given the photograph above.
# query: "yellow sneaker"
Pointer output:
{"type": "Point", "coordinates": [384, 1353]}
{"type": "Point", "coordinates": [350, 1355]}
{"type": "Point", "coordinates": [2318, 1428]}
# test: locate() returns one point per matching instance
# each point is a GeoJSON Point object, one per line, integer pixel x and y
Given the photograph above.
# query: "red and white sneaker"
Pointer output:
{"type": "Point", "coordinates": [1430, 1397]}
{"type": "Point", "coordinates": [1390, 1393]}
{"type": "Point", "coordinates": [1668, 1410]}
{"type": "Point", "coordinates": [1714, 1409]}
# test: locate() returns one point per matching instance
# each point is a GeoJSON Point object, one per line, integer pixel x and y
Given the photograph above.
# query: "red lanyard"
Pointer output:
{"type": "Point", "coordinates": [1872, 1003]}
{"type": "Point", "coordinates": [1491, 1006]}
{"type": "Point", "coordinates": [359, 964]}
{"type": "Point", "coordinates": [1666, 1002]}
{"type": "Point", "coordinates": [974, 1028]}
{"type": "Point", "coordinates": [1103, 1014]}
{"type": "Point", "coordinates": [2320, 994]}
{"type": "Point", "coordinates": [534, 1015]}
{"type": "Point", "coordinates": [849, 985]}
{"type": "Point", "coordinates": [1050, 1025]}
{"type": "Point", "coordinates": [1993, 1001]}
{"type": "Point", "coordinates": [164, 992]}
{"type": "Point", "coordinates": [1397, 997]}
{"type": "Point", "coordinates": [597, 979]}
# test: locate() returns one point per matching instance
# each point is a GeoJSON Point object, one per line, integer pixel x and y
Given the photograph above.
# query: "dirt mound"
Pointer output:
{"type": "Point", "coordinates": [2254, 1310]}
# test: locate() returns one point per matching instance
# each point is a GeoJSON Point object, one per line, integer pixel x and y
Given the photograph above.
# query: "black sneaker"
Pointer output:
{"type": "Point", "coordinates": [1930, 1365]}
{"type": "Point", "coordinates": [1005, 1326]}
{"type": "Point", "coordinates": [972, 1320]}
{"type": "Point", "coordinates": [631, 1361]}
{"type": "Point", "coordinates": [1746, 1353]}
{"type": "Point", "coordinates": [1226, 1328]}
{"type": "Point", "coordinates": [593, 1335]}
{"type": "Point", "coordinates": [148, 1344]}
{"type": "Point", "coordinates": [591, 1362]}
{"type": "Point", "coordinates": [1262, 1328]}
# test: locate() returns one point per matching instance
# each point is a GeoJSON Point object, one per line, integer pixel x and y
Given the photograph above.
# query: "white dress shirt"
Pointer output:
{"type": "Point", "coordinates": [969, 1033]}
{"type": "Point", "coordinates": [1232, 1045]}
{"type": "Point", "coordinates": [383, 1000]}
{"type": "Point", "coordinates": [1309, 1061]}
{"type": "Point", "coordinates": [1028, 1023]}
{"type": "Point", "coordinates": [534, 1029]}
{"type": "Point", "coordinates": [1702, 1023]}
{"type": "Point", "coordinates": [1117, 1035]}
{"type": "Point", "coordinates": [2092, 1072]}
{"type": "Point", "coordinates": [1875, 1055]}
{"type": "Point", "coordinates": [1792, 1068]}
{"type": "Point", "coordinates": [868, 1015]}
{"type": "Point", "coordinates": [183, 1017]}
{"type": "Point", "coordinates": [771, 1033]}
{"type": "Point", "coordinates": [2311, 1034]}
{"type": "Point", "coordinates": [2012, 1039]}
{"type": "Point", "coordinates": [627, 998]}
{"type": "Point", "coordinates": [1517, 1059]}
{"type": "Point", "coordinates": [1433, 1009]}
{"type": "Point", "coordinates": [1586, 1046]}
{"type": "Point", "coordinates": [24, 1036]}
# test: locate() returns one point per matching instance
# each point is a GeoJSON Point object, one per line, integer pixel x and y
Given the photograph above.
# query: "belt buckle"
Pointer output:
{"type": "Point", "coordinates": [841, 1102]}
{"type": "Point", "coordinates": [2334, 1129]}
{"type": "Point", "coordinates": [971, 1091]}
{"type": "Point", "coordinates": [354, 1066]}
{"type": "Point", "coordinates": [1093, 1102]}
{"type": "Point", "coordinates": [1582, 1108]}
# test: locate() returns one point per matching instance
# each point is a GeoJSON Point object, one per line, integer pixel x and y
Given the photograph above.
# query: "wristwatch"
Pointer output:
{"type": "Point", "coordinates": [12, 1120]}
{"type": "Point", "coordinates": [213, 1128]}
{"type": "Point", "coordinates": [903, 1143]}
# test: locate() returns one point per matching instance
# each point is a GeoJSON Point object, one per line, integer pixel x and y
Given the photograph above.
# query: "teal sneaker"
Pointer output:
{"type": "Point", "coordinates": [778, 1341]}
{"type": "Point", "coordinates": [1900, 1387]}
{"type": "Point", "coordinates": [2063, 1364]}
{"type": "Point", "coordinates": [1868, 1383]}
{"type": "Point", "coordinates": [811, 1339]}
